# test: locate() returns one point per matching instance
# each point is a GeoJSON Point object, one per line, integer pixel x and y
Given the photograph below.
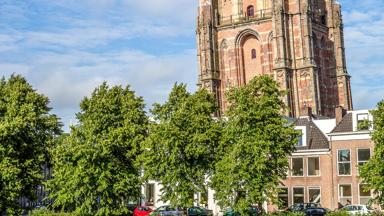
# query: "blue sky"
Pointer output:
{"type": "Point", "coordinates": [65, 48]}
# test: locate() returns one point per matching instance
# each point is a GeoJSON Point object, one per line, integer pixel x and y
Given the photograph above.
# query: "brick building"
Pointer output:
{"type": "Point", "coordinates": [324, 167]}
{"type": "Point", "coordinates": [297, 42]}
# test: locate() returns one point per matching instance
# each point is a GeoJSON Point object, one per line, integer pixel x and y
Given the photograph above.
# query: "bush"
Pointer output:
{"type": "Point", "coordinates": [338, 213]}
{"type": "Point", "coordinates": [46, 212]}
{"type": "Point", "coordinates": [343, 213]}
{"type": "Point", "coordinates": [285, 214]}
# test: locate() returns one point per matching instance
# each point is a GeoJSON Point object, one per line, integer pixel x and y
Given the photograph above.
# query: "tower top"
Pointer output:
{"type": "Point", "coordinates": [205, 2]}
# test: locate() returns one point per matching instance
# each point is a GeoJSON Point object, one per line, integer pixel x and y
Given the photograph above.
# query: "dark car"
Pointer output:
{"type": "Point", "coordinates": [316, 211]}
{"type": "Point", "coordinates": [301, 207]}
{"type": "Point", "coordinates": [309, 209]}
{"type": "Point", "coordinates": [253, 211]}
{"type": "Point", "coordinates": [198, 211]}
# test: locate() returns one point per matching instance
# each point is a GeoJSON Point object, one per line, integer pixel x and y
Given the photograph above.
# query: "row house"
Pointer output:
{"type": "Point", "coordinates": [324, 168]}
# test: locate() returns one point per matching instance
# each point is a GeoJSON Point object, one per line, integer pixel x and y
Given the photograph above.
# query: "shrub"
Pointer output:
{"type": "Point", "coordinates": [343, 213]}
{"type": "Point", "coordinates": [338, 213]}
{"type": "Point", "coordinates": [285, 214]}
{"type": "Point", "coordinates": [46, 212]}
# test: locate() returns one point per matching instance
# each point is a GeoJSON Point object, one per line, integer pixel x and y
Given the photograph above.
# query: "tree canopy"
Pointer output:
{"type": "Point", "coordinates": [95, 170]}
{"type": "Point", "coordinates": [180, 148]}
{"type": "Point", "coordinates": [255, 146]}
{"type": "Point", "coordinates": [27, 131]}
{"type": "Point", "coordinates": [372, 172]}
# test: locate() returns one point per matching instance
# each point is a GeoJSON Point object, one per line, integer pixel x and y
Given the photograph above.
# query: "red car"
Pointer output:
{"type": "Point", "coordinates": [142, 211]}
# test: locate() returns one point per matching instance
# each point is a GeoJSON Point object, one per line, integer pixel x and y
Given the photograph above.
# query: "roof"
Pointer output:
{"type": "Point", "coordinates": [315, 138]}
{"type": "Point", "coordinates": [345, 125]}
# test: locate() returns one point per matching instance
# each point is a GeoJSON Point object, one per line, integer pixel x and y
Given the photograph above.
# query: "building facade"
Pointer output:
{"type": "Point", "coordinates": [297, 42]}
{"type": "Point", "coordinates": [325, 166]}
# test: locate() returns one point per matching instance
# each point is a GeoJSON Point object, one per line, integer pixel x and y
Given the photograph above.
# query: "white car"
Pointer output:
{"type": "Point", "coordinates": [357, 209]}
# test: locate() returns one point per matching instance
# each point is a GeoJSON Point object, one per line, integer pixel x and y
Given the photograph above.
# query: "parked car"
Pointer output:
{"type": "Point", "coordinates": [301, 207]}
{"type": "Point", "coordinates": [199, 211]}
{"type": "Point", "coordinates": [253, 211]}
{"type": "Point", "coordinates": [142, 211]}
{"type": "Point", "coordinates": [316, 211]}
{"type": "Point", "coordinates": [131, 208]}
{"type": "Point", "coordinates": [168, 210]}
{"type": "Point", "coordinates": [357, 209]}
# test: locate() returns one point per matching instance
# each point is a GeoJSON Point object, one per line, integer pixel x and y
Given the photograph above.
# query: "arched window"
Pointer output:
{"type": "Point", "coordinates": [253, 53]}
{"type": "Point", "coordinates": [250, 11]}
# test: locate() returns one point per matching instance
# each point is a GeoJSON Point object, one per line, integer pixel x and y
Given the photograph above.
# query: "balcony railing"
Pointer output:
{"type": "Point", "coordinates": [258, 15]}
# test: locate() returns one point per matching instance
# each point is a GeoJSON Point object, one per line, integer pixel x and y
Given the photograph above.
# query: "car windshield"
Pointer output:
{"type": "Point", "coordinates": [196, 209]}
{"type": "Point", "coordinates": [162, 208]}
{"type": "Point", "coordinates": [170, 208]}
{"type": "Point", "coordinates": [352, 208]}
{"type": "Point", "coordinates": [312, 205]}
{"type": "Point", "coordinates": [297, 207]}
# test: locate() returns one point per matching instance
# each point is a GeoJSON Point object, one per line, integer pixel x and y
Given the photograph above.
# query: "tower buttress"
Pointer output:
{"type": "Point", "coordinates": [206, 36]}
{"type": "Point", "coordinates": [343, 78]}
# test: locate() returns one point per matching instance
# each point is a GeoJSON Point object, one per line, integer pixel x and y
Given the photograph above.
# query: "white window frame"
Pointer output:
{"type": "Point", "coordinates": [291, 168]}
{"type": "Point", "coordinates": [358, 190]}
{"type": "Point", "coordinates": [357, 158]}
{"type": "Point", "coordinates": [314, 187]}
{"type": "Point", "coordinates": [338, 192]}
{"type": "Point", "coordinates": [308, 166]}
{"type": "Point", "coordinates": [293, 194]}
{"type": "Point", "coordinates": [350, 162]}
{"type": "Point", "coordinates": [303, 130]}
{"type": "Point", "coordinates": [355, 121]}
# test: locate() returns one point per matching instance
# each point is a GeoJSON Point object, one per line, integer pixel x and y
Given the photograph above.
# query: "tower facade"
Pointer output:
{"type": "Point", "coordinates": [299, 43]}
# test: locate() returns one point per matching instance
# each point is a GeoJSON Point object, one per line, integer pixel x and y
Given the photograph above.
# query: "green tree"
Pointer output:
{"type": "Point", "coordinates": [27, 131]}
{"type": "Point", "coordinates": [180, 148]}
{"type": "Point", "coordinates": [372, 172]}
{"type": "Point", "coordinates": [255, 146]}
{"type": "Point", "coordinates": [95, 170]}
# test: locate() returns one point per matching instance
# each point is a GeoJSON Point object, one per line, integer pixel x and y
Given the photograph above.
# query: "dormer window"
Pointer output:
{"type": "Point", "coordinates": [363, 122]}
{"type": "Point", "coordinates": [302, 141]}
{"type": "Point", "coordinates": [250, 11]}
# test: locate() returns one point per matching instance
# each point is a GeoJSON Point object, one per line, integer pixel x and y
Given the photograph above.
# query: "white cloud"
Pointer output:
{"type": "Point", "coordinates": [7, 69]}
{"type": "Point", "coordinates": [367, 97]}
{"type": "Point", "coordinates": [357, 16]}
{"type": "Point", "coordinates": [73, 46]}
{"type": "Point", "coordinates": [67, 78]}
{"type": "Point", "coordinates": [172, 10]}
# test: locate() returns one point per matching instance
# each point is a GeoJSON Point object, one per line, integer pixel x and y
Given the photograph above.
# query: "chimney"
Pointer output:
{"type": "Point", "coordinates": [339, 114]}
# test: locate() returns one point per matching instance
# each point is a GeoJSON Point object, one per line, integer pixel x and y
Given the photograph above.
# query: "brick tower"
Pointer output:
{"type": "Point", "coordinates": [299, 43]}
